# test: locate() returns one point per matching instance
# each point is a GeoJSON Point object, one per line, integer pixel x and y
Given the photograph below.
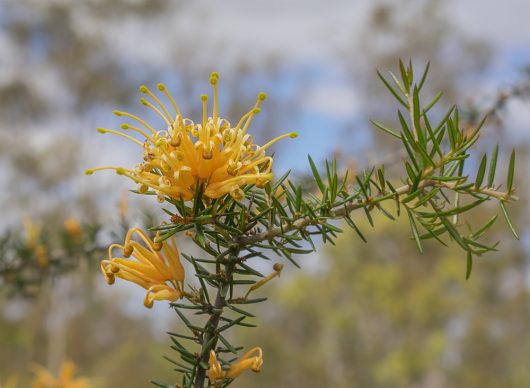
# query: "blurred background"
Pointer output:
{"type": "Point", "coordinates": [357, 315]}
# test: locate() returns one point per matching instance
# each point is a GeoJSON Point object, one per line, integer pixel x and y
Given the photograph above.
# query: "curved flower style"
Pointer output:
{"type": "Point", "coordinates": [44, 379]}
{"type": "Point", "coordinates": [253, 360]}
{"type": "Point", "coordinates": [214, 155]}
{"type": "Point", "coordinates": [157, 264]}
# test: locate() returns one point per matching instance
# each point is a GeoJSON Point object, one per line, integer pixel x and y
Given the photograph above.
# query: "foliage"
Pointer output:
{"type": "Point", "coordinates": [234, 231]}
{"type": "Point", "coordinates": [237, 227]}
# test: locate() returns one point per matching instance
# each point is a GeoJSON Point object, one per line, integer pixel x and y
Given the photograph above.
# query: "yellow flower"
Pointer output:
{"type": "Point", "coordinates": [156, 265]}
{"type": "Point", "coordinates": [32, 239]}
{"type": "Point", "coordinates": [252, 360]}
{"type": "Point", "coordinates": [33, 232]}
{"type": "Point", "coordinates": [44, 379]}
{"type": "Point", "coordinates": [215, 372]}
{"type": "Point", "coordinates": [215, 155]}
{"type": "Point", "coordinates": [248, 361]}
{"type": "Point", "coordinates": [41, 252]}
{"type": "Point", "coordinates": [11, 382]}
{"type": "Point", "coordinates": [123, 205]}
{"type": "Point", "coordinates": [72, 227]}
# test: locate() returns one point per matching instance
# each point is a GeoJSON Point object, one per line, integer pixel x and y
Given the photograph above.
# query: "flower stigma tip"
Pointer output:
{"type": "Point", "coordinates": [183, 156]}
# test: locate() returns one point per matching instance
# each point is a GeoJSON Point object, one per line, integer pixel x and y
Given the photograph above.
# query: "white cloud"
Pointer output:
{"type": "Point", "coordinates": [517, 117]}
{"type": "Point", "coordinates": [502, 23]}
{"type": "Point", "coordinates": [339, 101]}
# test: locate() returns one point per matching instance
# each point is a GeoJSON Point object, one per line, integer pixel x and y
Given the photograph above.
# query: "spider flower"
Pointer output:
{"type": "Point", "coordinates": [73, 228]}
{"type": "Point", "coordinates": [213, 155]}
{"type": "Point", "coordinates": [157, 267]}
{"type": "Point", "coordinates": [33, 241]}
{"type": "Point", "coordinates": [44, 379]}
{"type": "Point", "coordinates": [252, 360]}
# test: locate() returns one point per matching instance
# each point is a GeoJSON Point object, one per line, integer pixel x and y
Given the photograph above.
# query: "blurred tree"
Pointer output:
{"type": "Point", "coordinates": [423, 32]}
{"type": "Point", "coordinates": [381, 315]}
{"type": "Point", "coordinates": [399, 320]}
{"type": "Point", "coordinates": [71, 319]}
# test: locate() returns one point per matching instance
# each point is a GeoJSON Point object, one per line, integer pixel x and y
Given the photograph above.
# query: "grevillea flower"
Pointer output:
{"type": "Point", "coordinates": [33, 241]}
{"type": "Point", "coordinates": [73, 228]}
{"type": "Point", "coordinates": [253, 360]}
{"type": "Point", "coordinates": [157, 267]}
{"type": "Point", "coordinates": [44, 379]}
{"type": "Point", "coordinates": [214, 155]}
{"type": "Point", "coordinates": [215, 371]}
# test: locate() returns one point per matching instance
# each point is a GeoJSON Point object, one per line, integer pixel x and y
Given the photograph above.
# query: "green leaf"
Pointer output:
{"type": "Point", "coordinates": [398, 84]}
{"type": "Point", "coordinates": [451, 131]}
{"type": "Point", "coordinates": [185, 367]}
{"type": "Point", "coordinates": [454, 211]}
{"type": "Point", "coordinates": [182, 336]}
{"type": "Point", "coordinates": [352, 224]}
{"type": "Point", "coordinates": [231, 323]}
{"type": "Point", "coordinates": [493, 166]}
{"type": "Point", "coordinates": [227, 344]}
{"type": "Point", "coordinates": [511, 169]}
{"type": "Point", "coordinates": [427, 197]}
{"type": "Point", "coordinates": [199, 236]}
{"type": "Point", "coordinates": [414, 230]}
{"type": "Point", "coordinates": [409, 136]}
{"type": "Point", "coordinates": [385, 129]}
{"type": "Point", "coordinates": [454, 233]}
{"type": "Point", "coordinates": [424, 76]}
{"type": "Point", "coordinates": [240, 311]}
{"type": "Point", "coordinates": [433, 102]}
{"type": "Point", "coordinates": [197, 200]}
{"type": "Point", "coordinates": [479, 233]}
{"type": "Point", "coordinates": [318, 179]}
{"type": "Point", "coordinates": [508, 220]}
{"type": "Point", "coordinates": [469, 265]}
{"type": "Point", "coordinates": [165, 236]}
{"type": "Point", "coordinates": [161, 385]}
{"type": "Point", "coordinates": [391, 89]}
{"type": "Point", "coordinates": [208, 346]}
{"type": "Point", "coordinates": [405, 76]}
{"type": "Point", "coordinates": [416, 113]}
{"type": "Point", "coordinates": [481, 172]}
{"type": "Point", "coordinates": [435, 143]}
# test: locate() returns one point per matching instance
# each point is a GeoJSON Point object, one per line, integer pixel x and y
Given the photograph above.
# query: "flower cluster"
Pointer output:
{"type": "Point", "coordinates": [213, 156]}
{"type": "Point", "coordinates": [33, 241]}
{"type": "Point", "coordinates": [44, 379]}
{"type": "Point", "coordinates": [156, 265]}
{"type": "Point", "coordinates": [253, 360]}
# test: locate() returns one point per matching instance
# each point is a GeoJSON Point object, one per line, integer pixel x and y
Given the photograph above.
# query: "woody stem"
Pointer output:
{"type": "Point", "coordinates": [210, 328]}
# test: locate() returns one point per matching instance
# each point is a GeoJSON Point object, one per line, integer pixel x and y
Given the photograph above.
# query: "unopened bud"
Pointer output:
{"type": "Point", "coordinates": [277, 267]}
